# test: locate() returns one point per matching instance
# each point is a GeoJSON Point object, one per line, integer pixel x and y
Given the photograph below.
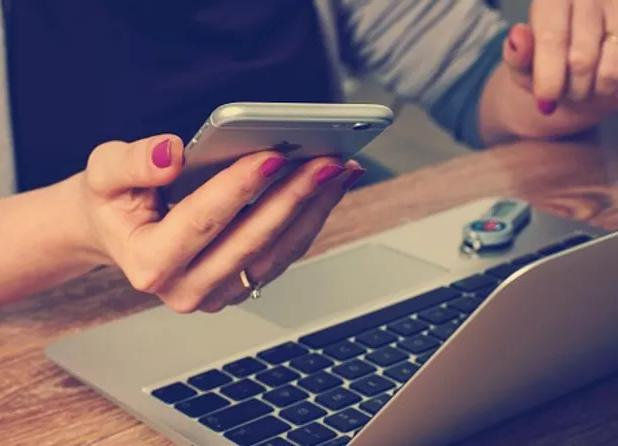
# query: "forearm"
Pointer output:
{"type": "Point", "coordinates": [44, 239]}
{"type": "Point", "coordinates": [509, 112]}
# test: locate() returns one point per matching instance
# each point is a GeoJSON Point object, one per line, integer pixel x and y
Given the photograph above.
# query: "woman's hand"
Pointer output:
{"type": "Point", "coordinates": [560, 72]}
{"type": "Point", "coordinates": [568, 55]}
{"type": "Point", "coordinates": [192, 256]}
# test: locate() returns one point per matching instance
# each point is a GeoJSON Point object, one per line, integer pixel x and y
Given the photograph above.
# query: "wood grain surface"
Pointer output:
{"type": "Point", "coordinates": [41, 405]}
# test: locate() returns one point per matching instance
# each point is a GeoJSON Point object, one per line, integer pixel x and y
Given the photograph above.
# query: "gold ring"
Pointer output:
{"type": "Point", "coordinates": [256, 289]}
{"type": "Point", "coordinates": [611, 38]}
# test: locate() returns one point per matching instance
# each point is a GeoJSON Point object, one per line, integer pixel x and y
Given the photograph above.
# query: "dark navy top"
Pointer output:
{"type": "Point", "coordinates": [84, 72]}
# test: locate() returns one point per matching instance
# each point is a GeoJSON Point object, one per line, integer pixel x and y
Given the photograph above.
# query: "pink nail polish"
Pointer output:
{"type": "Point", "coordinates": [327, 173]}
{"type": "Point", "coordinates": [511, 41]}
{"type": "Point", "coordinates": [353, 178]}
{"type": "Point", "coordinates": [512, 45]}
{"type": "Point", "coordinates": [162, 154]}
{"type": "Point", "coordinates": [547, 107]}
{"type": "Point", "coordinates": [272, 165]}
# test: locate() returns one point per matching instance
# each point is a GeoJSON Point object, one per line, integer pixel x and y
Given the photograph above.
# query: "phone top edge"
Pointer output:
{"type": "Point", "coordinates": [238, 112]}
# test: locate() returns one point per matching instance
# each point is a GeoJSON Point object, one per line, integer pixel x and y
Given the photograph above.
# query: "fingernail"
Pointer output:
{"type": "Point", "coordinates": [327, 173]}
{"type": "Point", "coordinates": [272, 165]}
{"type": "Point", "coordinates": [512, 45]}
{"type": "Point", "coordinates": [353, 178]}
{"type": "Point", "coordinates": [162, 154]}
{"type": "Point", "coordinates": [547, 107]}
{"type": "Point", "coordinates": [511, 40]}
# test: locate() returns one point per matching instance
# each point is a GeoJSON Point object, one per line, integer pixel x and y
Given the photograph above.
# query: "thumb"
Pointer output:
{"type": "Point", "coordinates": [115, 167]}
{"type": "Point", "coordinates": [518, 53]}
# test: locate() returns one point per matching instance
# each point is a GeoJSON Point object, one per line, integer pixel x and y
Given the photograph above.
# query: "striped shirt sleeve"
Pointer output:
{"type": "Point", "coordinates": [421, 49]}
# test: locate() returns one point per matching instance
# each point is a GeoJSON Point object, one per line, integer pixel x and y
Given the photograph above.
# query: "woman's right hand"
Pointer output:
{"type": "Point", "coordinates": [192, 256]}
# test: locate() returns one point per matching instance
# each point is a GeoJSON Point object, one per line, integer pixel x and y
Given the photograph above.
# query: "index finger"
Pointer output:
{"type": "Point", "coordinates": [551, 27]}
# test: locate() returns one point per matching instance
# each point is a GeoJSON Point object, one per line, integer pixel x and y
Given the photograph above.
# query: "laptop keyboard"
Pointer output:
{"type": "Point", "coordinates": [324, 387]}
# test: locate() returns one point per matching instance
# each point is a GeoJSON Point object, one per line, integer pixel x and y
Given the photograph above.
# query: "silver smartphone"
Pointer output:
{"type": "Point", "coordinates": [298, 130]}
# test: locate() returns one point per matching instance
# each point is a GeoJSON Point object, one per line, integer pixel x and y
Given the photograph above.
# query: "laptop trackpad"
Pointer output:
{"type": "Point", "coordinates": [339, 282]}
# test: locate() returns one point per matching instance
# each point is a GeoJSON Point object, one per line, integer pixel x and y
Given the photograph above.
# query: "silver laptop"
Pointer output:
{"type": "Point", "coordinates": [397, 339]}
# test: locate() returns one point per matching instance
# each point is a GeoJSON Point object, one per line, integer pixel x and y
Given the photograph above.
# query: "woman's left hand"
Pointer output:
{"type": "Point", "coordinates": [568, 54]}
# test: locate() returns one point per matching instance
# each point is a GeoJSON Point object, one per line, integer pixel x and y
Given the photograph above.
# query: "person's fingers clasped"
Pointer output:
{"type": "Point", "coordinates": [266, 239]}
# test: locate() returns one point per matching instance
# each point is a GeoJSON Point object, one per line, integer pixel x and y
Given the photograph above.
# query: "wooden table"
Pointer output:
{"type": "Point", "coordinates": [41, 405]}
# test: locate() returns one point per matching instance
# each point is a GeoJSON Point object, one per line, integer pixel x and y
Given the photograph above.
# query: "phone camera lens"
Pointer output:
{"type": "Point", "coordinates": [361, 126]}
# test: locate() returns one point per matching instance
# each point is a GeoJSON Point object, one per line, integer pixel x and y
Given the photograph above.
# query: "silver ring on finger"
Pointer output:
{"type": "Point", "coordinates": [254, 288]}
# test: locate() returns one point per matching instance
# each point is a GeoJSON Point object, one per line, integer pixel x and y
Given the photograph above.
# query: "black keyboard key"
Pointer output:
{"type": "Point", "coordinates": [347, 420]}
{"type": "Point", "coordinates": [354, 369]}
{"type": "Point", "coordinates": [422, 359]}
{"type": "Point", "coordinates": [311, 435]}
{"type": "Point", "coordinates": [445, 331]}
{"type": "Point", "coordinates": [407, 327]}
{"type": "Point", "coordinates": [577, 240]}
{"type": "Point", "coordinates": [311, 363]}
{"type": "Point", "coordinates": [374, 405]}
{"type": "Point", "coordinates": [276, 442]}
{"type": "Point", "coordinates": [277, 377]}
{"type": "Point", "coordinates": [284, 396]}
{"type": "Point", "coordinates": [302, 413]}
{"type": "Point", "coordinates": [476, 282]}
{"type": "Point", "coordinates": [244, 367]}
{"type": "Point", "coordinates": [256, 431]}
{"type": "Point", "coordinates": [566, 244]}
{"type": "Point", "coordinates": [233, 416]}
{"type": "Point", "coordinates": [209, 380]}
{"type": "Point", "coordinates": [202, 405]}
{"type": "Point", "coordinates": [438, 315]}
{"type": "Point", "coordinates": [483, 293]}
{"type": "Point", "coordinates": [386, 356]}
{"type": "Point", "coordinates": [242, 390]}
{"type": "Point", "coordinates": [174, 393]}
{"type": "Point", "coordinates": [372, 385]}
{"type": "Point", "coordinates": [502, 271]}
{"type": "Point", "coordinates": [552, 249]}
{"type": "Point", "coordinates": [359, 325]}
{"type": "Point", "coordinates": [282, 353]}
{"type": "Point", "coordinates": [376, 338]}
{"type": "Point", "coordinates": [526, 260]}
{"type": "Point", "coordinates": [338, 398]}
{"type": "Point", "coordinates": [465, 304]}
{"type": "Point", "coordinates": [341, 441]}
{"type": "Point", "coordinates": [343, 351]}
{"type": "Point", "coordinates": [402, 372]}
{"type": "Point", "coordinates": [419, 344]}
{"type": "Point", "coordinates": [320, 382]}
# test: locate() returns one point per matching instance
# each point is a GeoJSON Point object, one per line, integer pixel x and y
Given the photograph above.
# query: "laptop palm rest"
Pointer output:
{"type": "Point", "coordinates": [340, 282]}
